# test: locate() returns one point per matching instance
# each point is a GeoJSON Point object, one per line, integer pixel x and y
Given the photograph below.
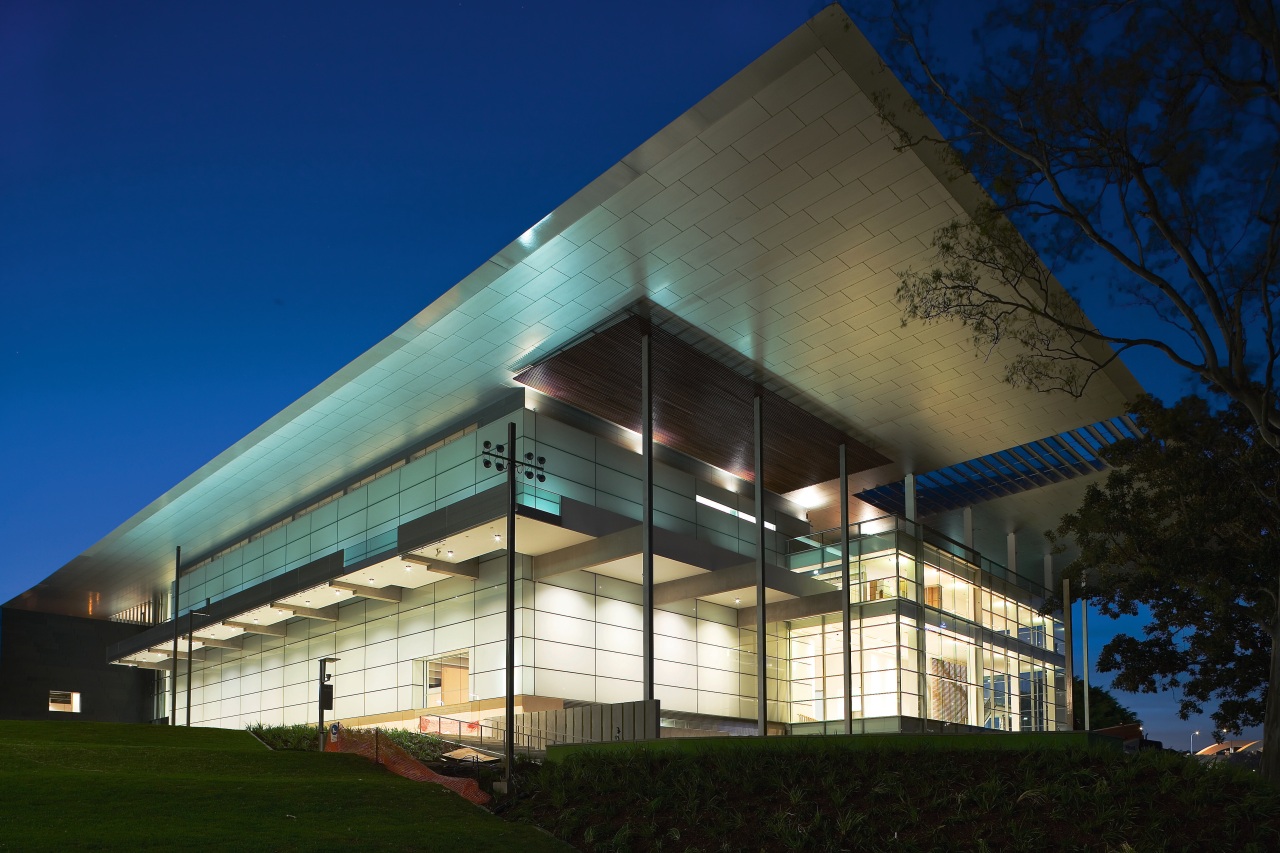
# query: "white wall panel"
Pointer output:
{"type": "Point", "coordinates": [379, 654]}
{"type": "Point", "coordinates": [414, 646]}
{"type": "Point", "coordinates": [566, 685]}
{"type": "Point", "coordinates": [674, 625]}
{"type": "Point", "coordinates": [460, 635]}
{"type": "Point", "coordinates": [566, 602]}
{"type": "Point", "coordinates": [675, 674]}
{"type": "Point", "coordinates": [618, 690]}
{"type": "Point", "coordinates": [380, 702]}
{"type": "Point", "coordinates": [615, 665]}
{"type": "Point", "coordinates": [614, 639]}
{"type": "Point", "coordinates": [454, 610]}
{"type": "Point", "coordinates": [564, 629]}
{"type": "Point", "coordinates": [672, 649]}
{"type": "Point", "coordinates": [491, 629]}
{"type": "Point", "coordinates": [676, 698]}
{"type": "Point", "coordinates": [621, 613]}
{"type": "Point", "coordinates": [380, 678]}
{"type": "Point", "coordinates": [561, 656]}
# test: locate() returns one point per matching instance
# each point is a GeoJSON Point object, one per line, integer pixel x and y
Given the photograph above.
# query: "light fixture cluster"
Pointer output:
{"type": "Point", "coordinates": [532, 466]}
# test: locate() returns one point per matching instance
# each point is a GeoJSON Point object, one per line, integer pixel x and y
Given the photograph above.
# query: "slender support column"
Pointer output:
{"type": "Point", "coordinates": [509, 742]}
{"type": "Point", "coordinates": [968, 528]}
{"type": "Point", "coordinates": [845, 620]}
{"type": "Point", "coordinates": [173, 673]}
{"type": "Point", "coordinates": [909, 497]}
{"type": "Point", "coordinates": [762, 646]}
{"type": "Point", "coordinates": [1084, 662]}
{"type": "Point", "coordinates": [1068, 653]}
{"type": "Point", "coordinates": [646, 568]}
{"type": "Point", "coordinates": [191, 618]}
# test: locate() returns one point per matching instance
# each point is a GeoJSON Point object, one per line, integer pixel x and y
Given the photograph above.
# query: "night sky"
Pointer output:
{"type": "Point", "coordinates": [207, 209]}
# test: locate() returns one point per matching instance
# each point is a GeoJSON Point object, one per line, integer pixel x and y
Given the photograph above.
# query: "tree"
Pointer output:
{"type": "Point", "coordinates": [1184, 525]}
{"type": "Point", "coordinates": [1137, 142]}
{"type": "Point", "coordinates": [1105, 710]}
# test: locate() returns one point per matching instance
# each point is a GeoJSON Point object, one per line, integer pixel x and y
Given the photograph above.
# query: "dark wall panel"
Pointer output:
{"type": "Point", "coordinates": [40, 652]}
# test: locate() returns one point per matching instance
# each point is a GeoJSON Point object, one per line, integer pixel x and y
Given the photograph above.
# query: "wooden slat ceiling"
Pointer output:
{"type": "Point", "coordinates": [702, 407]}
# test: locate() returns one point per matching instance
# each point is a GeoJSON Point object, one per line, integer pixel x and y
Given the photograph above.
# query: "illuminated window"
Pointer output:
{"type": "Point", "coordinates": [64, 700]}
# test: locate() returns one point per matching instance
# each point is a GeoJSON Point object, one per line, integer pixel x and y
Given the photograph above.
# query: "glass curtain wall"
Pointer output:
{"type": "Point", "coordinates": [934, 636]}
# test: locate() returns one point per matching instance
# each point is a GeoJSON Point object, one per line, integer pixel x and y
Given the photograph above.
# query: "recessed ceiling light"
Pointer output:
{"type": "Point", "coordinates": [450, 553]}
{"type": "Point", "coordinates": [497, 537]}
{"type": "Point", "coordinates": [370, 580]}
{"type": "Point", "coordinates": [737, 601]}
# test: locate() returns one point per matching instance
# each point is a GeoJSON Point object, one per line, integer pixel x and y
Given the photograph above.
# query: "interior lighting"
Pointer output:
{"type": "Point", "coordinates": [737, 601]}
{"type": "Point", "coordinates": [450, 553]}
{"type": "Point", "coordinates": [497, 537]}
{"type": "Point", "coordinates": [749, 519]}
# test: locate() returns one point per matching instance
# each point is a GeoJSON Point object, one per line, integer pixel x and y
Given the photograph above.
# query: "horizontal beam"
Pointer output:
{"type": "Point", "coordinates": [386, 593]}
{"type": "Point", "coordinates": [465, 569]}
{"type": "Point", "coordinates": [742, 576]}
{"type": "Point", "coordinates": [167, 651]}
{"type": "Point", "coordinates": [324, 614]}
{"type": "Point", "coordinates": [796, 608]}
{"type": "Point", "coordinates": [232, 643]}
{"type": "Point", "coordinates": [163, 665]}
{"type": "Point", "coordinates": [254, 628]}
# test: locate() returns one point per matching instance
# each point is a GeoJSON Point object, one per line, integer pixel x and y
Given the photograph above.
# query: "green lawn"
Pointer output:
{"type": "Point", "coordinates": [74, 785]}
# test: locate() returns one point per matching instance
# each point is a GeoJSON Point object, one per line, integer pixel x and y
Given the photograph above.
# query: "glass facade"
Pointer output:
{"type": "Point", "coordinates": [938, 635]}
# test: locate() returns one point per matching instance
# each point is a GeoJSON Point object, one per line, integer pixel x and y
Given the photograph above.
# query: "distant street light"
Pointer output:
{"type": "Point", "coordinates": [1193, 742]}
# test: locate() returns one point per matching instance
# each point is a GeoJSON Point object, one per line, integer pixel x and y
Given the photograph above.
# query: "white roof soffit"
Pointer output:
{"type": "Point", "coordinates": [771, 214]}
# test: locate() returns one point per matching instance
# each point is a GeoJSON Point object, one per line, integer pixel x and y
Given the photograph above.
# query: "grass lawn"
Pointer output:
{"type": "Point", "coordinates": [99, 786]}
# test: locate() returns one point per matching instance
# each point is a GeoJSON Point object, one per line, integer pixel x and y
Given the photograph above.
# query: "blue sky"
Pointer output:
{"type": "Point", "coordinates": [206, 209]}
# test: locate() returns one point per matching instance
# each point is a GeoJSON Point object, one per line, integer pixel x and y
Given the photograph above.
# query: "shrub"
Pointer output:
{"type": "Point", "coordinates": [287, 737]}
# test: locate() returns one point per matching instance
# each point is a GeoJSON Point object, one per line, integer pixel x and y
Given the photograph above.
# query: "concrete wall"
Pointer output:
{"type": "Point", "coordinates": [40, 652]}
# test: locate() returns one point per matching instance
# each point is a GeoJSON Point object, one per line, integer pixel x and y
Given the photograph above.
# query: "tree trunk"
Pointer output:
{"type": "Point", "coordinates": [1271, 716]}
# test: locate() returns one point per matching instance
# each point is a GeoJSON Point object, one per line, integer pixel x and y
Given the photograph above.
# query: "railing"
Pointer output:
{"type": "Point", "coordinates": [490, 736]}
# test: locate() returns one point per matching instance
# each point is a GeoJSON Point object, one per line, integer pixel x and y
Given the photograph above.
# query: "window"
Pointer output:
{"type": "Point", "coordinates": [447, 679]}
{"type": "Point", "coordinates": [64, 700]}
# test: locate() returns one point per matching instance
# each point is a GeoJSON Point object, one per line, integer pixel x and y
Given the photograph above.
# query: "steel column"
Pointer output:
{"type": "Point", "coordinates": [1068, 653]}
{"type": "Point", "coordinates": [845, 615]}
{"type": "Point", "coordinates": [191, 618]}
{"type": "Point", "coordinates": [509, 742]}
{"type": "Point", "coordinates": [173, 673]}
{"type": "Point", "coordinates": [762, 647]}
{"type": "Point", "coordinates": [1084, 663]}
{"type": "Point", "coordinates": [646, 569]}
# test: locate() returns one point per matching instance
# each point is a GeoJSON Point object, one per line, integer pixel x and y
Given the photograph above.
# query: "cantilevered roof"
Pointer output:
{"type": "Point", "coordinates": [771, 215]}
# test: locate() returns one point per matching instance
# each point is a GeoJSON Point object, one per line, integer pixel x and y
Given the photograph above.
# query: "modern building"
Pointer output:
{"type": "Point", "coordinates": [745, 489]}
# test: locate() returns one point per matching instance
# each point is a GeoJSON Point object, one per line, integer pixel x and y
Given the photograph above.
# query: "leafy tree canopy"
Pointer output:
{"type": "Point", "coordinates": [1104, 709]}
{"type": "Point", "coordinates": [1136, 142]}
{"type": "Point", "coordinates": [1184, 525]}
